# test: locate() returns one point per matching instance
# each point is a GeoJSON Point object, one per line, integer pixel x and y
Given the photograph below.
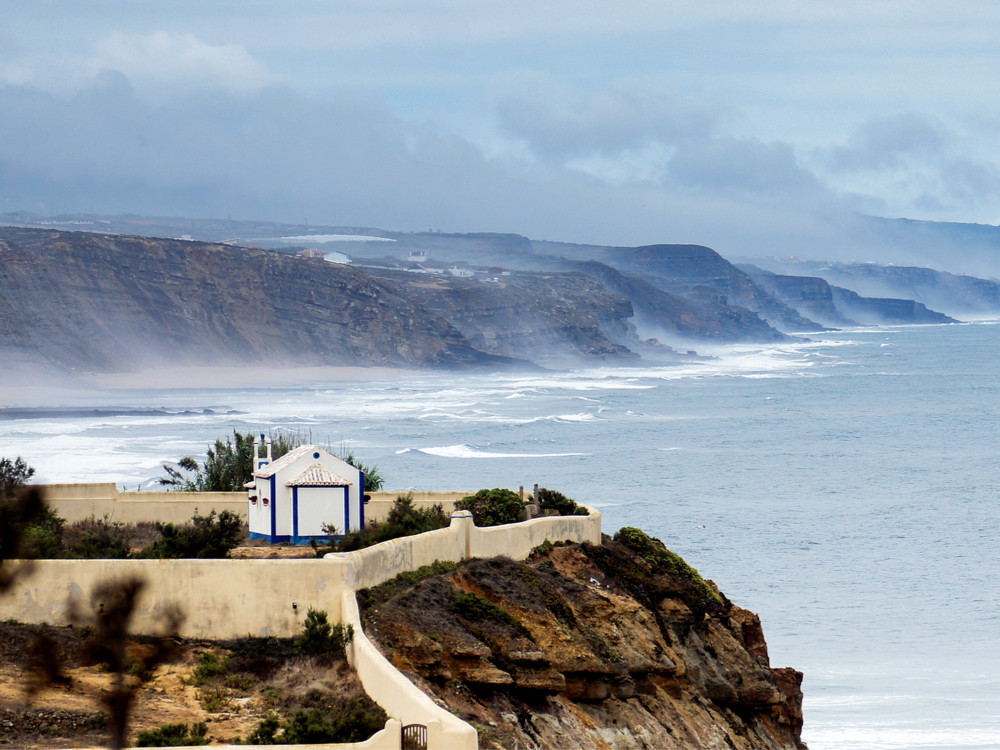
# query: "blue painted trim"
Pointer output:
{"type": "Point", "coordinates": [361, 497]}
{"type": "Point", "coordinates": [307, 539]}
{"type": "Point", "coordinates": [295, 513]}
{"type": "Point", "coordinates": [347, 510]}
{"type": "Point", "coordinates": [274, 506]}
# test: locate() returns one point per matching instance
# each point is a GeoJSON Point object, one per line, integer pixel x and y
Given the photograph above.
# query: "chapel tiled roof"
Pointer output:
{"type": "Point", "coordinates": [281, 463]}
{"type": "Point", "coordinates": [318, 476]}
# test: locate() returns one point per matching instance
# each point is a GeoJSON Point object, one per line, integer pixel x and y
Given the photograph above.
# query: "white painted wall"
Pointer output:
{"type": "Point", "coordinates": [323, 505]}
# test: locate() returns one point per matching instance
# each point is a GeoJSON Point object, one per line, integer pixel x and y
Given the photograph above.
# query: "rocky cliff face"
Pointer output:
{"type": "Point", "coordinates": [837, 306]}
{"type": "Point", "coordinates": [810, 295]}
{"type": "Point", "coordinates": [543, 317]}
{"type": "Point", "coordinates": [882, 310]}
{"type": "Point", "coordinates": [684, 269]}
{"type": "Point", "coordinates": [699, 316]}
{"type": "Point", "coordinates": [952, 293]}
{"type": "Point", "coordinates": [103, 302]}
{"type": "Point", "coordinates": [589, 646]}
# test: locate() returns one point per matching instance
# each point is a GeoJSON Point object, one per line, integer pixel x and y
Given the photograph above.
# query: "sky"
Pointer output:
{"type": "Point", "coordinates": [742, 125]}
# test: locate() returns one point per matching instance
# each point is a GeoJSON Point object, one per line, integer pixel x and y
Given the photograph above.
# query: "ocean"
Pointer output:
{"type": "Point", "coordinates": [844, 486]}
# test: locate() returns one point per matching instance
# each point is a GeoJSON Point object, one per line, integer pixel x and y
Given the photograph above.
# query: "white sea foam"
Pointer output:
{"type": "Point", "coordinates": [465, 451]}
{"type": "Point", "coordinates": [885, 736]}
{"type": "Point", "coordinates": [335, 238]}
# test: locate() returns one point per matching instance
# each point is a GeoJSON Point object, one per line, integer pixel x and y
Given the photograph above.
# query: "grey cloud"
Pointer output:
{"type": "Point", "coordinates": [886, 142]}
{"type": "Point", "coordinates": [349, 160]}
{"type": "Point", "coordinates": [557, 121]}
{"type": "Point", "coordinates": [968, 180]}
{"type": "Point", "coordinates": [743, 165]}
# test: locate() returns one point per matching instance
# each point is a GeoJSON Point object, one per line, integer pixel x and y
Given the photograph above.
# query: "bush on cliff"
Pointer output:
{"type": "Point", "coordinates": [493, 507]}
{"type": "Point", "coordinates": [320, 638]}
{"type": "Point", "coordinates": [174, 735]}
{"type": "Point", "coordinates": [404, 519]}
{"type": "Point", "coordinates": [699, 594]}
{"type": "Point", "coordinates": [557, 501]}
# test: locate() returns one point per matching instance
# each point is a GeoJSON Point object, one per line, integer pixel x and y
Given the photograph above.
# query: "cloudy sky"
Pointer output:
{"type": "Point", "coordinates": [737, 124]}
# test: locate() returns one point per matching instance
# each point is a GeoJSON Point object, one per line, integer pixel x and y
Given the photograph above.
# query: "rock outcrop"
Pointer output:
{"type": "Point", "coordinates": [589, 646]}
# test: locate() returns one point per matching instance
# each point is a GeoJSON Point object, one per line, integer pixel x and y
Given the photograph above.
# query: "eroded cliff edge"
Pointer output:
{"type": "Point", "coordinates": [589, 646]}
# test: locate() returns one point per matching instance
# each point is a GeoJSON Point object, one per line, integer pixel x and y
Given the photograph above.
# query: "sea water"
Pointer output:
{"type": "Point", "coordinates": [844, 486]}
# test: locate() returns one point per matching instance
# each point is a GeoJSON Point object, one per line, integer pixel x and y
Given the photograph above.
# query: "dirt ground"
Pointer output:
{"type": "Point", "coordinates": [69, 713]}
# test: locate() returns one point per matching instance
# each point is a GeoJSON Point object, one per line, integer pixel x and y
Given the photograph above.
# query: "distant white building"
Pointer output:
{"type": "Point", "coordinates": [290, 499]}
{"type": "Point", "coordinates": [462, 273]}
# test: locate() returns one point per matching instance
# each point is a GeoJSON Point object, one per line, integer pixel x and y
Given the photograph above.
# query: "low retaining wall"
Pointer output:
{"type": "Point", "coordinates": [400, 698]}
{"type": "Point", "coordinates": [224, 599]}
{"type": "Point", "coordinates": [218, 598]}
{"type": "Point", "coordinates": [78, 502]}
{"type": "Point", "coordinates": [378, 507]}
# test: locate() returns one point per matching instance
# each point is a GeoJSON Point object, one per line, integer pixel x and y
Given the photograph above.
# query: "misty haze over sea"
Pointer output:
{"type": "Point", "coordinates": [844, 488]}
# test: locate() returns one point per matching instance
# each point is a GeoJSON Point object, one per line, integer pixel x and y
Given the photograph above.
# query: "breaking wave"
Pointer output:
{"type": "Point", "coordinates": [465, 451]}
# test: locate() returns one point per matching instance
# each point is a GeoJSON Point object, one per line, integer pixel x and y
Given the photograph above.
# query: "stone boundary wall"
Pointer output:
{"type": "Point", "coordinates": [219, 599]}
{"type": "Point", "coordinates": [77, 502]}
{"type": "Point", "coordinates": [223, 599]}
{"type": "Point", "coordinates": [400, 698]}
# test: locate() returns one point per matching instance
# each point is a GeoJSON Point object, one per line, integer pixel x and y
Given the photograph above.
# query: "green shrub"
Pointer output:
{"type": "Point", "coordinates": [228, 466]}
{"type": "Point", "coordinates": [43, 540]}
{"type": "Point", "coordinates": [209, 666]}
{"type": "Point", "coordinates": [557, 501]}
{"type": "Point", "coordinates": [211, 536]}
{"type": "Point", "coordinates": [355, 721]}
{"type": "Point", "coordinates": [654, 552]}
{"type": "Point", "coordinates": [475, 608]}
{"type": "Point", "coordinates": [13, 475]}
{"type": "Point", "coordinates": [320, 638]}
{"type": "Point", "coordinates": [265, 732]}
{"type": "Point", "coordinates": [259, 657]}
{"type": "Point", "coordinates": [403, 520]}
{"type": "Point", "coordinates": [385, 591]}
{"type": "Point", "coordinates": [96, 539]}
{"type": "Point", "coordinates": [493, 507]}
{"type": "Point", "coordinates": [373, 477]}
{"type": "Point", "coordinates": [174, 735]}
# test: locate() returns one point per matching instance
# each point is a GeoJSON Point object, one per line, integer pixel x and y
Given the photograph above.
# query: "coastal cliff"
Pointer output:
{"type": "Point", "coordinates": [691, 269]}
{"type": "Point", "coordinates": [537, 316]}
{"type": "Point", "coordinates": [589, 646]}
{"type": "Point", "coordinates": [109, 303]}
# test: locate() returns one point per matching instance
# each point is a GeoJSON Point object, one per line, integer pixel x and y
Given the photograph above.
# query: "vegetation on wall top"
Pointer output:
{"type": "Point", "coordinates": [229, 466]}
